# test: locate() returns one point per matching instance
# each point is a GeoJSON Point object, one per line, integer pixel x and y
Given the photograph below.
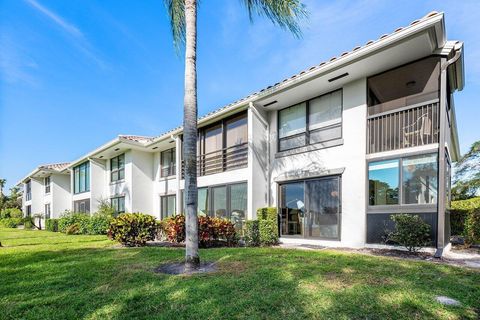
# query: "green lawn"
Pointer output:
{"type": "Point", "coordinates": [46, 275]}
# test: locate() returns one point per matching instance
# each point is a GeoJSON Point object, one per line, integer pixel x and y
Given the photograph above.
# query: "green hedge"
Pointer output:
{"type": "Point", "coordinates": [268, 226]}
{"type": "Point", "coordinates": [410, 231]}
{"type": "Point", "coordinates": [51, 225]}
{"type": "Point", "coordinates": [85, 224]}
{"type": "Point", "coordinates": [11, 213]}
{"type": "Point", "coordinates": [252, 233]}
{"type": "Point", "coordinates": [465, 219]}
{"type": "Point", "coordinates": [11, 222]}
{"type": "Point", "coordinates": [133, 229]}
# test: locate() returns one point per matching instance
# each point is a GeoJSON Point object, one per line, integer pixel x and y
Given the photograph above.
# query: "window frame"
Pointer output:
{"type": "Point", "coordinates": [47, 212]}
{"type": "Point", "coordinates": [116, 210]}
{"type": "Point", "coordinates": [28, 190]}
{"type": "Point", "coordinates": [307, 123]}
{"type": "Point", "coordinates": [76, 170]}
{"type": "Point", "coordinates": [401, 207]}
{"type": "Point", "coordinates": [162, 211]}
{"type": "Point", "coordinates": [118, 169]}
{"type": "Point", "coordinates": [85, 202]}
{"type": "Point", "coordinates": [172, 167]}
{"type": "Point", "coordinates": [47, 185]}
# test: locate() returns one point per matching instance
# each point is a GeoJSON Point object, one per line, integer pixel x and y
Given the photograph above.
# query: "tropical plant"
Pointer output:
{"type": "Point", "coordinates": [133, 229]}
{"type": "Point", "coordinates": [410, 231]}
{"type": "Point", "coordinates": [467, 174]}
{"type": "Point", "coordinates": [183, 21]}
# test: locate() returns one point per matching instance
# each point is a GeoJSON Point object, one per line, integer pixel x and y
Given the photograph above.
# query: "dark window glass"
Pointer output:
{"type": "Point", "coordinates": [28, 190]}
{"type": "Point", "coordinates": [118, 205]}
{"type": "Point", "coordinates": [219, 204]}
{"type": "Point", "coordinates": [168, 161]}
{"type": "Point", "coordinates": [47, 211]}
{"type": "Point", "coordinates": [117, 168]}
{"type": "Point", "coordinates": [81, 206]}
{"type": "Point", "coordinates": [419, 175]}
{"type": "Point", "coordinates": [81, 178]}
{"type": "Point", "coordinates": [238, 204]}
{"type": "Point", "coordinates": [383, 177]}
{"type": "Point", "coordinates": [47, 184]}
{"type": "Point", "coordinates": [29, 211]}
{"type": "Point", "coordinates": [168, 206]}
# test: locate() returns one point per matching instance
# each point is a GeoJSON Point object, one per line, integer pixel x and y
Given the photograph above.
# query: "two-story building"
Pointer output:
{"type": "Point", "coordinates": [338, 148]}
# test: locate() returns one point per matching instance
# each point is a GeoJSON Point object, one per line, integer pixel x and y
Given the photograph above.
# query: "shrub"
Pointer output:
{"type": "Point", "coordinates": [51, 225]}
{"type": "Point", "coordinates": [11, 213]}
{"type": "Point", "coordinates": [175, 228]}
{"type": "Point", "coordinates": [252, 233]}
{"type": "Point", "coordinates": [132, 229]}
{"type": "Point", "coordinates": [472, 227]}
{"type": "Point", "coordinates": [98, 224]}
{"type": "Point", "coordinates": [211, 231]}
{"type": "Point", "coordinates": [11, 222]}
{"type": "Point", "coordinates": [72, 229]}
{"type": "Point", "coordinates": [28, 223]}
{"type": "Point", "coordinates": [160, 232]}
{"type": "Point", "coordinates": [70, 218]}
{"type": "Point", "coordinates": [268, 226]}
{"type": "Point", "coordinates": [410, 231]}
{"type": "Point", "coordinates": [459, 212]}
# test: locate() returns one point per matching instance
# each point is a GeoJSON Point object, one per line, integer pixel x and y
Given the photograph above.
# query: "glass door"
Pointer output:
{"type": "Point", "coordinates": [311, 208]}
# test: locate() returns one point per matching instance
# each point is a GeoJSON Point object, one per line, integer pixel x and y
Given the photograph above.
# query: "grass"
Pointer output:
{"type": "Point", "coordinates": [46, 275]}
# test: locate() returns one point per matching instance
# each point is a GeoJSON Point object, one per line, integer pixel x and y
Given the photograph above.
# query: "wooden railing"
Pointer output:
{"type": "Point", "coordinates": [231, 158]}
{"type": "Point", "coordinates": [411, 126]}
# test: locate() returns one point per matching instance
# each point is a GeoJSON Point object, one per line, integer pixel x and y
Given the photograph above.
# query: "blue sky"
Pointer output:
{"type": "Point", "coordinates": [74, 74]}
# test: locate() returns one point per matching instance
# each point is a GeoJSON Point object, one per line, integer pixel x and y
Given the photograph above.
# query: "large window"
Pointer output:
{"type": "Point", "coordinates": [417, 176]}
{"type": "Point", "coordinates": [47, 211]}
{"type": "Point", "coordinates": [225, 201]}
{"type": "Point", "coordinates": [168, 160]}
{"type": "Point", "coordinates": [47, 185]}
{"type": "Point", "coordinates": [313, 121]}
{"type": "Point", "coordinates": [117, 168]}
{"type": "Point", "coordinates": [28, 190]}
{"type": "Point", "coordinates": [118, 205]}
{"type": "Point", "coordinates": [167, 206]}
{"type": "Point", "coordinates": [29, 210]}
{"type": "Point", "coordinates": [81, 178]}
{"type": "Point", "coordinates": [81, 206]}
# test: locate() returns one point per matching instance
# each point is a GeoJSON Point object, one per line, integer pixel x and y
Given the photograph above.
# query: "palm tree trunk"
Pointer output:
{"type": "Point", "coordinates": [192, 259]}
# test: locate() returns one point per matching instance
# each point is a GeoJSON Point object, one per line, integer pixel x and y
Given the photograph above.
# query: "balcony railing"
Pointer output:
{"type": "Point", "coordinates": [411, 126]}
{"type": "Point", "coordinates": [231, 158]}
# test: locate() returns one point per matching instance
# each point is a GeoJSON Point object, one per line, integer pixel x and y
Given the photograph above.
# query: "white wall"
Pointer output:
{"type": "Point", "coordinates": [60, 194]}
{"type": "Point", "coordinates": [350, 155]}
{"type": "Point", "coordinates": [37, 196]}
{"type": "Point", "coordinates": [142, 181]}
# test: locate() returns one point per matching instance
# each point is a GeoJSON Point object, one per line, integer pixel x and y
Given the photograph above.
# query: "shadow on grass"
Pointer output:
{"type": "Point", "coordinates": [99, 283]}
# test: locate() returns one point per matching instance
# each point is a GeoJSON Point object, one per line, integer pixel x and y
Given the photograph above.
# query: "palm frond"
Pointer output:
{"type": "Point", "coordinates": [287, 14]}
{"type": "Point", "coordinates": [176, 15]}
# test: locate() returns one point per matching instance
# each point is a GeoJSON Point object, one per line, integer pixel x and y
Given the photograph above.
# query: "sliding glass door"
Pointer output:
{"type": "Point", "coordinates": [311, 208]}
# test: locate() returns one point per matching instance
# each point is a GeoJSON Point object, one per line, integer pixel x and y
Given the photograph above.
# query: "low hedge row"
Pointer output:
{"type": "Point", "coordinates": [133, 229]}
{"type": "Point", "coordinates": [263, 231]}
{"type": "Point", "coordinates": [51, 225]}
{"type": "Point", "coordinates": [465, 219]}
{"type": "Point", "coordinates": [81, 223]}
{"type": "Point", "coordinates": [11, 222]}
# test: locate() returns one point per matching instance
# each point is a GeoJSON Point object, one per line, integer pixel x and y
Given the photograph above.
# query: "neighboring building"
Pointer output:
{"type": "Point", "coordinates": [46, 190]}
{"type": "Point", "coordinates": [337, 148]}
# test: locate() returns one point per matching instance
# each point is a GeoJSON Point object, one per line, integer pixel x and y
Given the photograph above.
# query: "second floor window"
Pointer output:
{"type": "Point", "coordinates": [117, 167]}
{"type": "Point", "coordinates": [28, 190]}
{"type": "Point", "coordinates": [47, 185]}
{"type": "Point", "coordinates": [313, 121]}
{"type": "Point", "coordinates": [167, 159]}
{"type": "Point", "coordinates": [81, 178]}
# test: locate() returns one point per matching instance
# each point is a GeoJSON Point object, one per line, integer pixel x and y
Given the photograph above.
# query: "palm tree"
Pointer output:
{"type": "Point", "coordinates": [2, 185]}
{"type": "Point", "coordinates": [183, 20]}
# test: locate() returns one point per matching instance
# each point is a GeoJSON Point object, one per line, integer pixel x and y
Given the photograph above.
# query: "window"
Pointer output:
{"type": "Point", "coordinates": [81, 206]}
{"type": "Point", "coordinates": [29, 211]}
{"type": "Point", "coordinates": [225, 201]}
{"type": "Point", "coordinates": [28, 190]}
{"type": "Point", "coordinates": [168, 162]}
{"type": "Point", "coordinates": [81, 178]}
{"type": "Point", "coordinates": [118, 205]}
{"type": "Point", "coordinates": [417, 176]}
{"type": "Point", "coordinates": [117, 168]}
{"type": "Point", "coordinates": [47, 211]}
{"type": "Point", "coordinates": [47, 185]}
{"type": "Point", "coordinates": [167, 206]}
{"type": "Point", "coordinates": [314, 121]}
{"type": "Point", "coordinates": [383, 181]}
{"type": "Point", "coordinates": [420, 179]}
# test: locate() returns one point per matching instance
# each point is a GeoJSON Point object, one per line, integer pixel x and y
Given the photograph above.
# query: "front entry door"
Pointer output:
{"type": "Point", "coordinates": [311, 208]}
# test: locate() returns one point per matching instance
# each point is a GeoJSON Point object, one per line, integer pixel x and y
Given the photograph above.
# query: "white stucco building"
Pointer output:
{"type": "Point", "coordinates": [337, 148]}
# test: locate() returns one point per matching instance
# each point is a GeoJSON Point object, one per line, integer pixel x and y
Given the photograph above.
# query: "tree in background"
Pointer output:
{"type": "Point", "coordinates": [183, 21]}
{"type": "Point", "coordinates": [467, 174]}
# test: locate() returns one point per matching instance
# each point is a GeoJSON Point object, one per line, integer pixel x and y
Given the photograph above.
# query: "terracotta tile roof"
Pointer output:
{"type": "Point", "coordinates": [54, 166]}
{"type": "Point", "coordinates": [310, 69]}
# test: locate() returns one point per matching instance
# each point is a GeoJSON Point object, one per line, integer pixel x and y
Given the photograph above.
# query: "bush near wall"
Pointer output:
{"type": "Point", "coordinates": [212, 232]}
{"type": "Point", "coordinates": [410, 231]}
{"type": "Point", "coordinates": [133, 229]}
{"type": "Point", "coordinates": [252, 233]}
{"type": "Point", "coordinates": [465, 219]}
{"type": "Point", "coordinates": [86, 224]}
{"type": "Point", "coordinates": [51, 225]}
{"type": "Point", "coordinates": [11, 213]}
{"type": "Point", "coordinates": [11, 222]}
{"type": "Point", "coordinates": [268, 226]}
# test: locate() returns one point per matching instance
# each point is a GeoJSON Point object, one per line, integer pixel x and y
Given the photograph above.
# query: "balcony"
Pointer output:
{"type": "Point", "coordinates": [226, 159]}
{"type": "Point", "coordinates": [405, 127]}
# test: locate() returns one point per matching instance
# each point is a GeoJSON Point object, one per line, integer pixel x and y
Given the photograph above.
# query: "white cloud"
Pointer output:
{"type": "Point", "coordinates": [15, 64]}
